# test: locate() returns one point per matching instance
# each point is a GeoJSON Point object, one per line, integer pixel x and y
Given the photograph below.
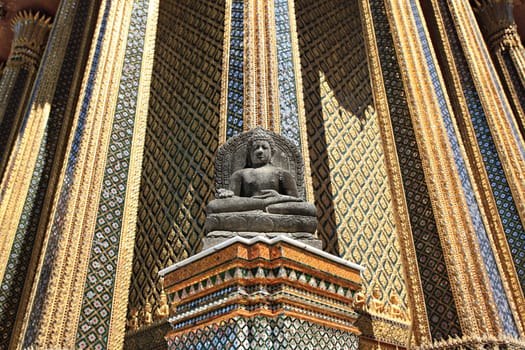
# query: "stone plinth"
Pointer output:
{"type": "Point", "coordinates": [262, 293]}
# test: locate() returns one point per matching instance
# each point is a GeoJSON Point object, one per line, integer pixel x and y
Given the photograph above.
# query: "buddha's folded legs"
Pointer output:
{"type": "Point", "coordinates": [292, 208]}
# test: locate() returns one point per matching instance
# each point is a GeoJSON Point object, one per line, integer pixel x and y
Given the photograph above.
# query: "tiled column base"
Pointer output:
{"type": "Point", "coordinates": [262, 332]}
{"type": "Point", "coordinates": [262, 294]}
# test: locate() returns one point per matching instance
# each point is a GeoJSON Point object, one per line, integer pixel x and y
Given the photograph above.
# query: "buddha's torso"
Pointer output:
{"type": "Point", "coordinates": [255, 180]}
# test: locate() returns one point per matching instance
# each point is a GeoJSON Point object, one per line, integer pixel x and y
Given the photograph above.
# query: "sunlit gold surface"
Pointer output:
{"type": "Point", "coordinates": [469, 280]}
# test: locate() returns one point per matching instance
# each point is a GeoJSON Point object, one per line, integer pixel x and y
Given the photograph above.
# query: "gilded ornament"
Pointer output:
{"type": "Point", "coordinates": [147, 317]}
{"type": "Point", "coordinates": [394, 308]}
{"type": "Point", "coordinates": [375, 304]}
{"type": "Point", "coordinates": [133, 320]}
{"type": "Point", "coordinates": [359, 302]}
{"type": "Point", "coordinates": [163, 308]}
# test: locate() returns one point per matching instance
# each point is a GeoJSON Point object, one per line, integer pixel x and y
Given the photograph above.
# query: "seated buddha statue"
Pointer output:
{"type": "Point", "coordinates": [258, 173]}
{"type": "Point", "coordinates": [261, 185]}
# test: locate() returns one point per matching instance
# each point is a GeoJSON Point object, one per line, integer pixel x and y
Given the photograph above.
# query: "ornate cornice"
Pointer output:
{"type": "Point", "coordinates": [31, 31]}
{"type": "Point", "coordinates": [496, 20]}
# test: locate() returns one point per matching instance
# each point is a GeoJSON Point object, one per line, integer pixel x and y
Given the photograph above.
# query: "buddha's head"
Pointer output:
{"type": "Point", "coordinates": [261, 148]}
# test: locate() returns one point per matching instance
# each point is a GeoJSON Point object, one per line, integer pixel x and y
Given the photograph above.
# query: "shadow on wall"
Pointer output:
{"type": "Point", "coordinates": [331, 45]}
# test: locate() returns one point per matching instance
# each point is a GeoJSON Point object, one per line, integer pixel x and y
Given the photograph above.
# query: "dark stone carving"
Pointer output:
{"type": "Point", "coordinates": [259, 178]}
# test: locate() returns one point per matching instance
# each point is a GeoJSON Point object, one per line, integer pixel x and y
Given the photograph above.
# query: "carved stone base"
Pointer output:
{"type": "Point", "coordinates": [256, 223]}
{"type": "Point", "coordinates": [259, 221]}
{"type": "Point", "coordinates": [215, 237]}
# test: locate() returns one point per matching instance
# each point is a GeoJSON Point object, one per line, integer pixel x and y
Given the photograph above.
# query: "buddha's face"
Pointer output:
{"type": "Point", "coordinates": [260, 153]}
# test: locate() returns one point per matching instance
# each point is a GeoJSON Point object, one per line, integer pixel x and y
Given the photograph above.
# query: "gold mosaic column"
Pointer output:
{"type": "Point", "coordinates": [28, 187]}
{"type": "Point", "coordinates": [30, 37]}
{"type": "Point", "coordinates": [497, 23]}
{"type": "Point", "coordinates": [80, 295]}
{"type": "Point", "coordinates": [446, 175]}
{"type": "Point", "coordinates": [495, 149]}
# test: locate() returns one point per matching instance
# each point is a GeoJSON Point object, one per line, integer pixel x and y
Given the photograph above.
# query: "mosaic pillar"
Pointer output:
{"type": "Point", "coordinates": [355, 203]}
{"type": "Point", "coordinates": [181, 139]}
{"type": "Point", "coordinates": [27, 187]}
{"type": "Point", "coordinates": [262, 294]}
{"type": "Point", "coordinates": [487, 130]}
{"type": "Point", "coordinates": [30, 37]}
{"type": "Point", "coordinates": [80, 295]}
{"type": "Point", "coordinates": [499, 29]}
{"type": "Point", "coordinates": [30, 185]}
{"type": "Point", "coordinates": [413, 104]}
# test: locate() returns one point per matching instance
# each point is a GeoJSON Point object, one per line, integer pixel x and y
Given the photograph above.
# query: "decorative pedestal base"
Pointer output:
{"type": "Point", "coordinates": [262, 293]}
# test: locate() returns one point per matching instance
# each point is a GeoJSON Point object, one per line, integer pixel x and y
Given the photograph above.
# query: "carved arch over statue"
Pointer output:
{"type": "Point", "coordinates": [232, 156]}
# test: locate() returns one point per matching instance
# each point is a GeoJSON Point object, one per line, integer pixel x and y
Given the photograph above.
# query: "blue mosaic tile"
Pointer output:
{"type": "Point", "coordinates": [39, 181]}
{"type": "Point", "coordinates": [95, 316]}
{"type": "Point", "coordinates": [499, 90]}
{"type": "Point", "coordinates": [234, 124]}
{"type": "Point", "coordinates": [286, 76]}
{"type": "Point", "coordinates": [282, 332]}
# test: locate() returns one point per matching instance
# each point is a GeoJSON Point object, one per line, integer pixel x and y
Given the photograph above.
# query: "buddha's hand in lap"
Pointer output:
{"type": "Point", "coordinates": [224, 193]}
{"type": "Point", "coordinates": [272, 197]}
{"type": "Point", "coordinates": [263, 194]}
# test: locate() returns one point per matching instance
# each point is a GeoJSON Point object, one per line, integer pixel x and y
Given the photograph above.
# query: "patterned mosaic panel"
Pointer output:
{"type": "Point", "coordinates": [21, 251]}
{"type": "Point", "coordinates": [235, 73]}
{"type": "Point", "coordinates": [95, 316]}
{"type": "Point", "coordinates": [345, 144]}
{"type": "Point", "coordinates": [440, 305]}
{"type": "Point", "coordinates": [504, 201]}
{"type": "Point", "coordinates": [487, 254]}
{"type": "Point", "coordinates": [181, 140]}
{"type": "Point", "coordinates": [282, 332]}
{"type": "Point", "coordinates": [287, 88]}
{"type": "Point", "coordinates": [8, 122]}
